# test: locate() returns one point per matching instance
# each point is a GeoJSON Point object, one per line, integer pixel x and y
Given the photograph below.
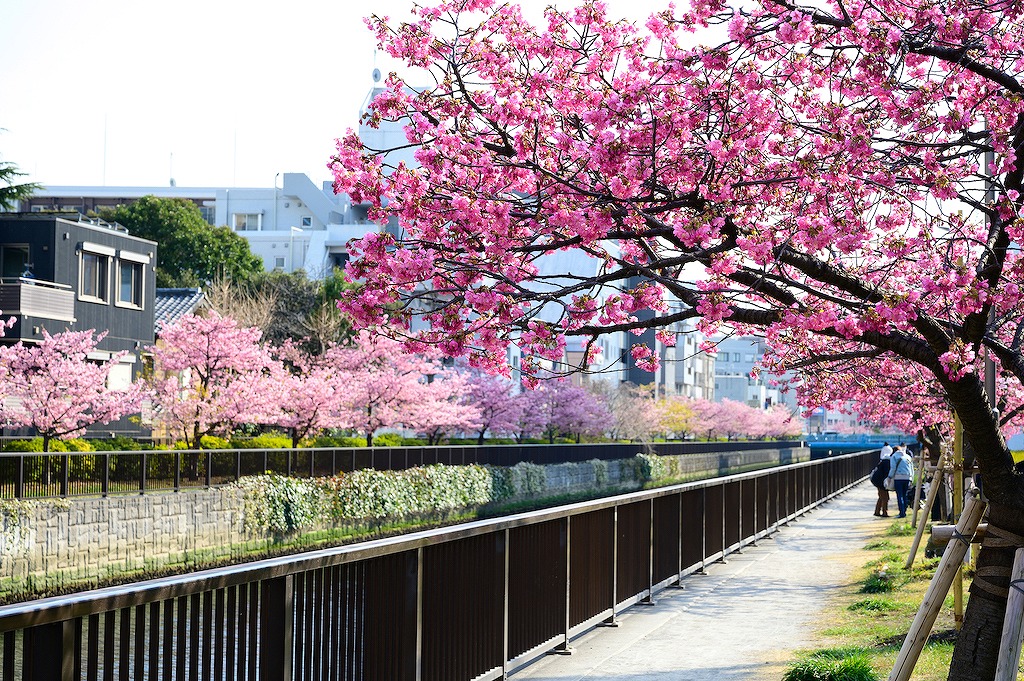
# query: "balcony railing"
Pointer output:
{"type": "Point", "coordinates": [22, 296]}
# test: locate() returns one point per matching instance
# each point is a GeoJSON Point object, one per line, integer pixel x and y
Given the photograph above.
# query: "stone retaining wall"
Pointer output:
{"type": "Point", "coordinates": [48, 544]}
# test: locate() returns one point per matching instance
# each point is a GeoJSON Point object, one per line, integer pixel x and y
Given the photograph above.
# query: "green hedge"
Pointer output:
{"type": "Point", "coordinates": [281, 504]}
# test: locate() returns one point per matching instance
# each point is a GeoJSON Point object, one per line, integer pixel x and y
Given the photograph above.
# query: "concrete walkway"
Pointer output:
{"type": "Point", "coordinates": [743, 619]}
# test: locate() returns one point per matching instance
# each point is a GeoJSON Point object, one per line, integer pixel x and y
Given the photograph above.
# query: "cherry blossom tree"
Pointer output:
{"type": "Point", "coordinates": [445, 407]}
{"type": "Point", "coordinates": [677, 415]}
{"type": "Point", "coordinates": [499, 409]}
{"type": "Point", "coordinates": [564, 408]}
{"type": "Point", "coordinates": [311, 393]}
{"type": "Point", "coordinates": [823, 166]}
{"type": "Point", "coordinates": [212, 375]}
{"type": "Point", "coordinates": [383, 382]}
{"type": "Point", "coordinates": [633, 413]}
{"type": "Point", "coordinates": [53, 386]}
{"type": "Point", "coordinates": [532, 415]}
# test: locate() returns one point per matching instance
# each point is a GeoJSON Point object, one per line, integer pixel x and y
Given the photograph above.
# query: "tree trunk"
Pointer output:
{"type": "Point", "coordinates": [977, 647]}
{"type": "Point", "coordinates": [369, 438]}
{"type": "Point", "coordinates": [480, 440]}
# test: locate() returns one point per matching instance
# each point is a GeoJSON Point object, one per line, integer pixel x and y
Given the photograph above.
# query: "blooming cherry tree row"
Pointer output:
{"type": "Point", "coordinates": [214, 376]}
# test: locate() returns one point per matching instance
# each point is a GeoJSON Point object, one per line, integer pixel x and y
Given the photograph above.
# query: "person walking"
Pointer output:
{"type": "Point", "coordinates": [901, 472]}
{"type": "Point", "coordinates": [886, 451]}
{"type": "Point", "coordinates": [878, 478]}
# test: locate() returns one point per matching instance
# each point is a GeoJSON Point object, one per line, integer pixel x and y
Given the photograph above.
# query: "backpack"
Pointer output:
{"type": "Point", "coordinates": [880, 472]}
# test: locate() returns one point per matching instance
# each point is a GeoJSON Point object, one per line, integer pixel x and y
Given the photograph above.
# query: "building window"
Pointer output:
{"type": "Point", "coordinates": [279, 262]}
{"type": "Point", "coordinates": [338, 260]}
{"type": "Point", "coordinates": [307, 221]}
{"type": "Point", "coordinates": [95, 278]}
{"type": "Point", "coordinates": [14, 258]}
{"type": "Point", "coordinates": [129, 283]}
{"type": "Point", "coordinates": [247, 222]}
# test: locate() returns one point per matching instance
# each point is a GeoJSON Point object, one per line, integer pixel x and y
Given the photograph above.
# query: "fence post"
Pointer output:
{"type": "Point", "coordinates": [49, 651]}
{"type": "Point", "coordinates": [64, 474]}
{"type": "Point", "coordinates": [276, 628]}
{"type": "Point", "coordinates": [19, 478]}
{"type": "Point", "coordinates": [106, 474]}
{"type": "Point", "coordinates": [238, 465]}
{"type": "Point", "coordinates": [612, 621]}
{"type": "Point", "coordinates": [142, 473]}
{"type": "Point", "coordinates": [209, 470]}
{"type": "Point", "coordinates": [177, 471]}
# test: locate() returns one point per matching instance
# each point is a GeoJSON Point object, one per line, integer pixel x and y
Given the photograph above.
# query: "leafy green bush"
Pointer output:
{"type": "Point", "coordinates": [118, 443]}
{"type": "Point", "coordinates": [33, 445]}
{"type": "Point", "coordinates": [78, 445]}
{"type": "Point", "coordinates": [832, 668]}
{"type": "Point", "coordinates": [207, 442]}
{"type": "Point", "coordinates": [650, 467]}
{"type": "Point", "coordinates": [339, 441]}
{"type": "Point", "coordinates": [413, 442]}
{"type": "Point", "coordinates": [387, 440]}
{"type": "Point", "coordinates": [264, 441]}
{"type": "Point", "coordinates": [370, 493]}
{"type": "Point", "coordinates": [281, 504]}
{"type": "Point", "coordinates": [600, 471]}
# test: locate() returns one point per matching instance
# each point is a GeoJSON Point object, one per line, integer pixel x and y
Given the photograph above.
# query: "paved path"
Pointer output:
{"type": "Point", "coordinates": [743, 619]}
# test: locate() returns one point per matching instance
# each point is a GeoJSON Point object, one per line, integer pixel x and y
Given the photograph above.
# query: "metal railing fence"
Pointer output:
{"type": "Point", "coordinates": [35, 475]}
{"type": "Point", "coordinates": [472, 601]}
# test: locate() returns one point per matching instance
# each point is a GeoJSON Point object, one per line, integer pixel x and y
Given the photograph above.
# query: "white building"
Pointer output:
{"type": "Point", "coordinates": [296, 225]}
{"type": "Point", "coordinates": [734, 365]}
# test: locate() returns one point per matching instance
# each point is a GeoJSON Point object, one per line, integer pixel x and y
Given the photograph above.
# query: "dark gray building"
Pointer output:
{"type": "Point", "coordinates": [65, 272]}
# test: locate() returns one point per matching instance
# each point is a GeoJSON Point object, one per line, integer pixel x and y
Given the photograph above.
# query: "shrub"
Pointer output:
{"type": "Point", "coordinates": [600, 472]}
{"type": "Point", "coordinates": [339, 441]}
{"type": "Point", "coordinates": [527, 479]}
{"type": "Point", "coordinates": [832, 668]}
{"type": "Point", "coordinates": [118, 443]}
{"type": "Point", "coordinates": [370, 493]}
{"type": "Point", "coordinates": [264, 441]}
{"type": "Point", "coordinates": [650, 467]}
{"type": "Point", "coordinates": [78, 445]}
{"type": "Point", "coordinates": [413, 442]}
{"type": "Point", "coordinates": [387, 440]}
{"type": "Point", "coordinates": [281, 504]}
{"type": "Point", "coordinates": [206, 442]}
{"type": "Point", "coordinates": [34, 445]}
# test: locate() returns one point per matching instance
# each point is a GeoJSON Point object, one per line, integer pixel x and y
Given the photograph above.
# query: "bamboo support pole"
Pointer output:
{"type": "Point", "coordinates": [945, 533]}
{"type": "Point", "coordinates": [917, 491]}
{"type": "Point", "coordinates": [949, 566]}
{"type": "Point", "coordinates": [1013, 631]}
{"type": "Point", "coordinates": [958, 509]}
{"type": "Point", "coordinates": [933, 492]}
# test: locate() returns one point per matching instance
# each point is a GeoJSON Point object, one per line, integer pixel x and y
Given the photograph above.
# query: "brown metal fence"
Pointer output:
{"type": "Point", "coordinates": [472, 601]}
{"type": "Point", "coordinates": [34, 475]}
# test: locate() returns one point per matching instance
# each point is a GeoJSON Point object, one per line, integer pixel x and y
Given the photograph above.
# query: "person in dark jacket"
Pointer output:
{"type": "Point", "coordinates": [878, 479]}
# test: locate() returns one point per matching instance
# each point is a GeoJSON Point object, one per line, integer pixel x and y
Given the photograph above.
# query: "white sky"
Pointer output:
{"type": "Point", "coordinates": [211, 93]}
